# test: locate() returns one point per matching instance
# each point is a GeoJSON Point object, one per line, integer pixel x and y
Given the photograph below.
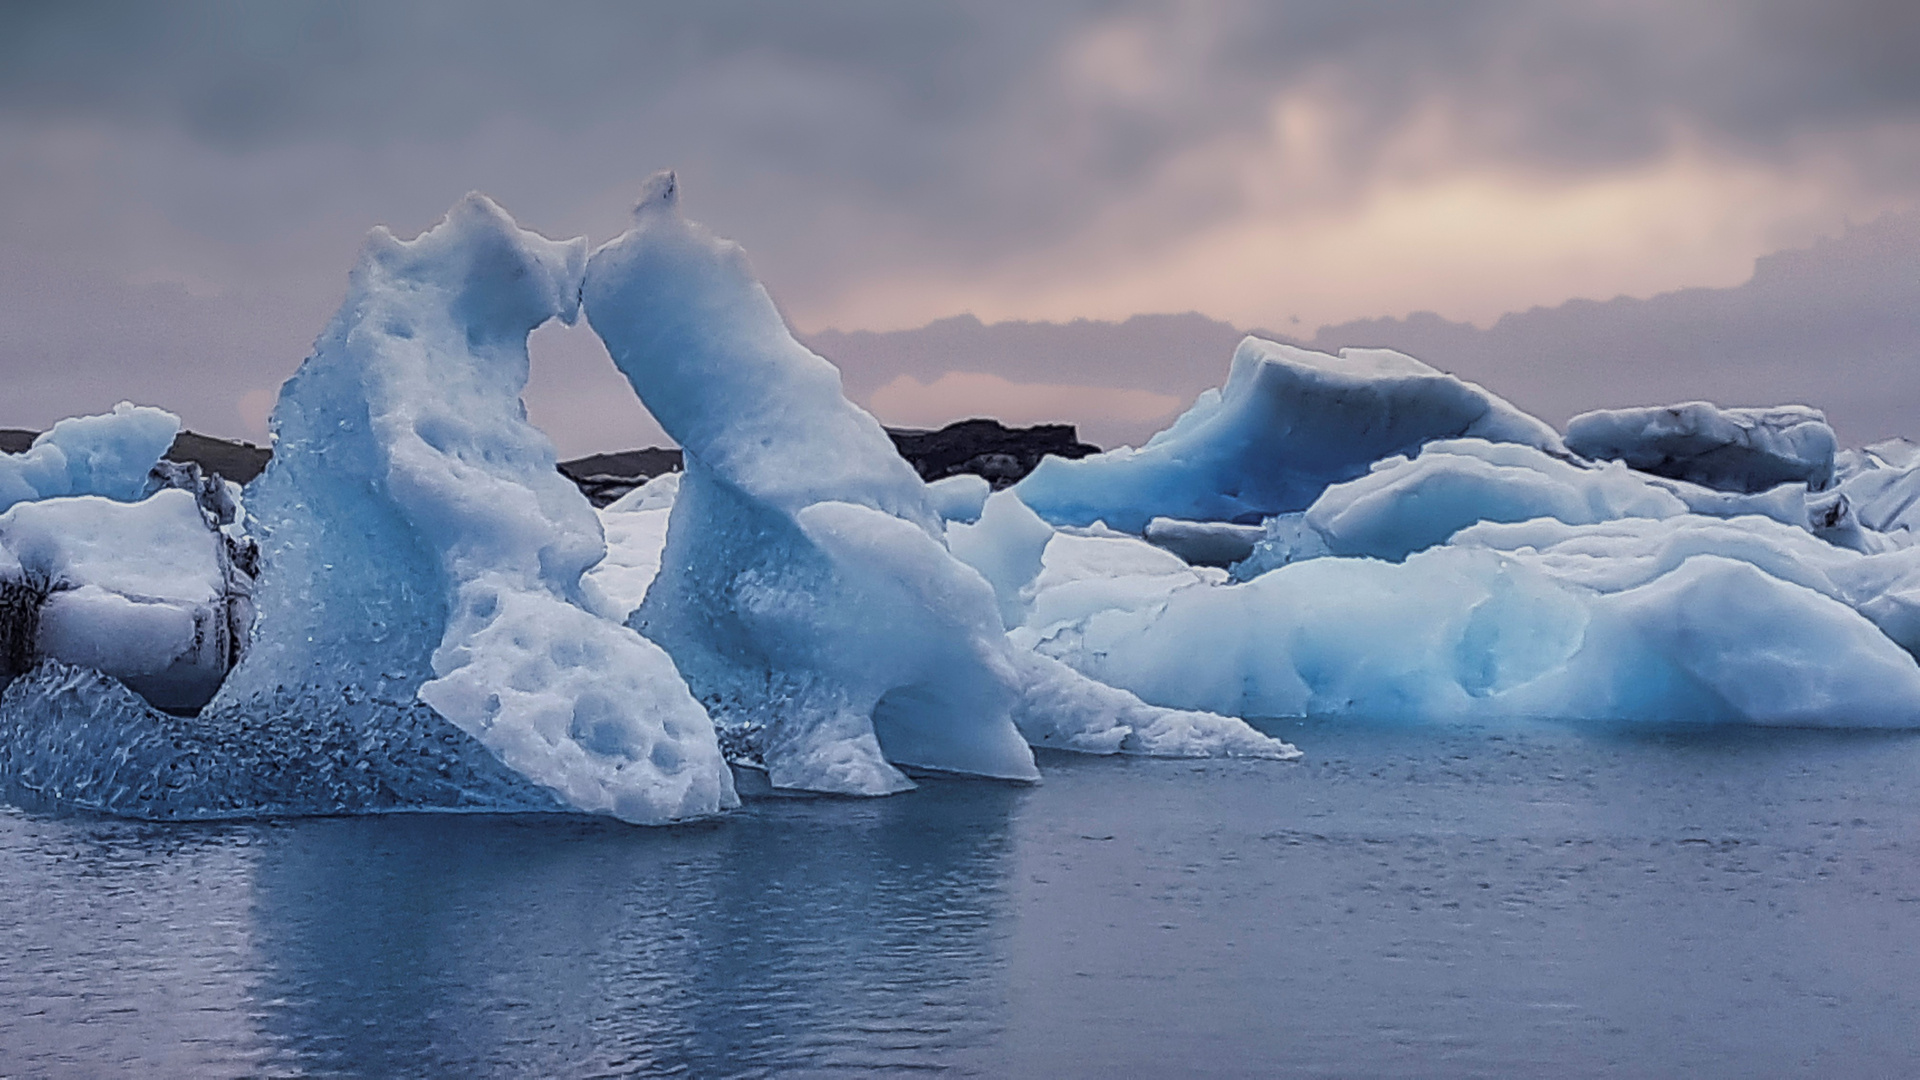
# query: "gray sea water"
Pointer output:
{"type": "Point", "coordinates": [1538, 901]}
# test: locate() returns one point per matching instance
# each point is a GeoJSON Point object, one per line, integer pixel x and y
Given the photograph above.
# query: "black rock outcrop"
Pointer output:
{"type": "Point", "coordinates": [986, 448]}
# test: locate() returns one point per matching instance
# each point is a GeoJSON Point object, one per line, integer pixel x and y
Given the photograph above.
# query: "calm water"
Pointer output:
{"type": "Point", "coordinates": [1533, 902]}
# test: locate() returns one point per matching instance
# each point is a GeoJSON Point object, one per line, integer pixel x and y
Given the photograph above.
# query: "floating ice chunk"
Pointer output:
{"type": "Point", "coordinates": [108, 455]}
{"type": "Point", "coordinates": [419, 542]}
{"type": "Point", "coordinates": [145, 592]}
{"type": "Point", "coordinates": [1063, 709]}
{"type": "Point", "coordinates": [961, 497]}
{"type": "Point", "coordinates": [1287, 423]}
{"type": "Point", "coordinates": [1747, 450]}
{"type": "Point", "coordinates": [1405, 505]}
{"type": "Point", "coordinates": [1618, 555]}
{"type": "Point", "coordinates": [806, 588]}
{"type": "Point", "coordinates": [1467, 633]}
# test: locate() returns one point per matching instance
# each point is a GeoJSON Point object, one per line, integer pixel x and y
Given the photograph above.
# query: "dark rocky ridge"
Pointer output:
{"type": "Point", "coordinates": [984, 448]}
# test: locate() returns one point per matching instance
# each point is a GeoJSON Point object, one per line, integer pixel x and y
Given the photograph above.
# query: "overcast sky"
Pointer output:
{"type": "Point", "coordinates": [183, 187]}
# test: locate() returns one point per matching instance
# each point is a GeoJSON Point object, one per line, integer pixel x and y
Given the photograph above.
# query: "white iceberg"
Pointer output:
{"type": "Point", "coordinates": [146, 592]}
{"type": "Point", "coordinates": [110, 455]}
{"type": "Point", "coordinates": [1288, 423]}
{"type": "Point", "coordinates": [806, 588]}
{"type": "Point", "coordinates": [1461, 632]}
{"type": "Point", "coordinates": [1406, 505]}
{"type": "Point", "coordinates": [1746, 450]}
{"type": "Point", "coordinates": [422, 640]}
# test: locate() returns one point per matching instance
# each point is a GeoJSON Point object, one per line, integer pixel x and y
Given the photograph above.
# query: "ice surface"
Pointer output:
{"type": "Point", "coordinates": [142, 591]}
{"type": "Point", "coordinates": [1405, 505]}
{"type": "Point", "coordinates": [960, 498]}
{"type": "Point", "coordinates": [1287, 423]}
{"type": "Point", "coordinates": [1746, 450]}
{"type": "Point", "coordinates": [108, 455]}
{"type": "Point", "coordinates": [76, 737]}
{"type": "Point", "coordinates": [636, 530]}
{"type": "Point", "coordinates": [1881, 486]}
{"type": "Point", "coordinates": [419, 546]}
{"type": "Point", "coordinates": [1005, 546]}
{"type": "Point", "coordinates": [806, 588]}
{"type": "Point", "coordinates": [1464, 632]}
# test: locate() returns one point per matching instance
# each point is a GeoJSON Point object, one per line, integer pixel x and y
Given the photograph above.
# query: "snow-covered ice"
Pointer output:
{"type": "Point", "coordinates": [1288, 422]}
{"type": "Point", "coordinates": [806, 588]}
{"type": "Point", "coordinates": [143, 591]}
{"type": "Point", "coordinates": [1745, 450]}
{"type": "Point", "coordinates": [109, 455]}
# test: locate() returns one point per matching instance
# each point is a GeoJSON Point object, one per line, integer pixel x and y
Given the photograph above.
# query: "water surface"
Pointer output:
{"type": "Point", "coordinates": [1532, 901]}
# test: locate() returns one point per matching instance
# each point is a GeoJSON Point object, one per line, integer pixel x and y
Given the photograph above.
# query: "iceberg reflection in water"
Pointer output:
{"type": "Point", "coordinates": [1527, 901]}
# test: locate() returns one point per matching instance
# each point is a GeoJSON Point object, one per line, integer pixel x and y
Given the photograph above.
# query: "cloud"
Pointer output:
{"type": "Point", "coordinates": [182, 186]}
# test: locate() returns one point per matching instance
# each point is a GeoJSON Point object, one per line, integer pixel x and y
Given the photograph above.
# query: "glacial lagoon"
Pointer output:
{"type": "Point", "coordinates": [1517, 900]}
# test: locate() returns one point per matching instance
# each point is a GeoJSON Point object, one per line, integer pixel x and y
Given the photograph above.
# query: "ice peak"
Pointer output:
{"type": "Point", "coordinates": [661, 192]}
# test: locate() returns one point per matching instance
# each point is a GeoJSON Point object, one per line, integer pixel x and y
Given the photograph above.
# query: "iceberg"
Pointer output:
{"type": "Point", "coordinates": [1467, 632]}
{"type": "Point", "coordinates": [147, 592]}
{"type": "Point", "coordinates": [419, 541]}
{"type": "Point", "coordinates": [1405, 505]}
{"type": "Point", "coordinates": [1288, 423]}
{"type": "Point", "coordinates": [1745, 450]}
{"type": "Point", "coordinates": [110, 455]}
{"type": "Point", "coordinates": [422, 638]}
{"type": "Point", "coordinates": [806, 589]}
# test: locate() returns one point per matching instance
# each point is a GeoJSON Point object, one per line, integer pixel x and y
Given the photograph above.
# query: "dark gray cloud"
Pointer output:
{"type": "Point", "coordinates": [182, 185]}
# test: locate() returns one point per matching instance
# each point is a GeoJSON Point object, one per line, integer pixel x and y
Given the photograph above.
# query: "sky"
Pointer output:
{"type": "Point", "coordinates": [183, 186]}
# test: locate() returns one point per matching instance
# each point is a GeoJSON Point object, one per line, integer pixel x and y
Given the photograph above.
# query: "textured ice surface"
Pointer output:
{"type": "Point", "coordinates": [142, 591]}
{"type": "Point", "coordinates": [76, 737]}
{"type": "Point", "coordinates": [1406, 505]}
{"type": "Point", "coordinates": [421, 640]}
{"type": "Point", "coordinates": [806, 590]}
{"type": "Point", "coordinates": [108, 455]}
{"type": "Point", "coordinates": [1746, 450]}
{"type": "Point", "coordinates": [1881, 485]}
{"type": "Point", "coordinates": [1287, 423]}
{"type": "Point", "coordinates": [1468, 633]}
